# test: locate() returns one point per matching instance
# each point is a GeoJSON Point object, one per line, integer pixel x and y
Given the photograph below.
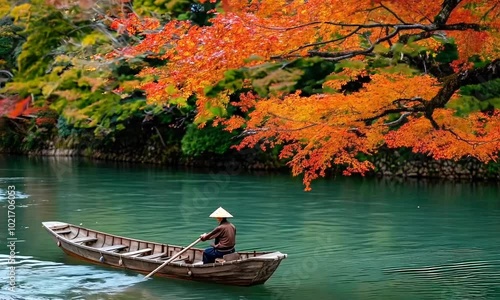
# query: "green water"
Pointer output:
{"type": "Point", "coordinates": [350, 238]}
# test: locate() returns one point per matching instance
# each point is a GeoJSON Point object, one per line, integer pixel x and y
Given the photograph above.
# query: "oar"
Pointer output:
{"type": "Point", "coordinates": [173, 257]}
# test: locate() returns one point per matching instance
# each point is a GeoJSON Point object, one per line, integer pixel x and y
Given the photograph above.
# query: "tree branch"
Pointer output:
{"type": "Point", "coordinates": [427, 32]}
{"type": "Point", "coordinates": [470, 142]}
{"type": "Point", "coordinates": [398, 121]}
{"type": "Point", "coordinates": [390, 111]}
{"type": "Point", "coordinates": [453, 82]}
{"type": "Point", "coordinates": [392, 13]}
{"type": "Point", "coordinates": [408, 100]}
{"type": "Point", "coordinates": [159, 135]}
{"type": "Point", "coordinates": [343, 55]}
{"type": "Point", "coordinates": [429, 116]}
{"type": "Point", "coordinates": [430, 30]}
{"type": "Point", "coordinates": [320, 43]}
{"type": "Point", "coordinates": [488, 12]}
{"type": "Point", "coordinates": [253, 131]}
{"type": "Point", "coordinates": [18, 126]}
{"type": "Point", "coordinates": [446, 8]}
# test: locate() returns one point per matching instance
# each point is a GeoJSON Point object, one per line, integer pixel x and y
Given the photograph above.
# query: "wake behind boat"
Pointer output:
{"type": "Point", "coordinates": [242, 268]}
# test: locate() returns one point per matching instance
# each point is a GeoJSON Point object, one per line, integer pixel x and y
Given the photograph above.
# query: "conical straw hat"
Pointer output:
{"type": "Point", "coordinates": [220, 213]}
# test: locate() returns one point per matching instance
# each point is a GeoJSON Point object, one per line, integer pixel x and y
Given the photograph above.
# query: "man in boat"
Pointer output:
{"type": "Point", "coordinates": [224, 235]}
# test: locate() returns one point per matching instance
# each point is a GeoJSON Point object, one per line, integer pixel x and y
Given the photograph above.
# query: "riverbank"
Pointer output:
{"type": "Point", "coordinates": [403, 163]}
{"type": "Point", "coordinates": [388, 163]}
{"type": "Point", "coordinates": [211, 147]}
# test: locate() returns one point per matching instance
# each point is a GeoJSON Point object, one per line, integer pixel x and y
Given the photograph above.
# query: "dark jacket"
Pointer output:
{"type": "Point", "coordinates": [224, 235]}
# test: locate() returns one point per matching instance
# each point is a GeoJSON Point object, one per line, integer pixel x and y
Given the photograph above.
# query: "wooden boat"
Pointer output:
{"type": "Point", "coordinates": [242, 268]}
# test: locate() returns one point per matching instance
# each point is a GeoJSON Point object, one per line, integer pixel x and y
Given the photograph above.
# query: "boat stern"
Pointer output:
{"type": "Point", "coordinates": [270, 262]}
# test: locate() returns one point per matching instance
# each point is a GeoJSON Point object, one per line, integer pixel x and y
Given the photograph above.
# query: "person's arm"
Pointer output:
{"type": "Point", "coordinates": [211, 235]}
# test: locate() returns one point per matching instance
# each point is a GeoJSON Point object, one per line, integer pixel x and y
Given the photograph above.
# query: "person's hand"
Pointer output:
{"type": "Point", "coordinates": [203, 236]}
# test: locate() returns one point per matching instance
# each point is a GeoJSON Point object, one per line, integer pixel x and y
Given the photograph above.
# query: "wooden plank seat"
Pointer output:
{"type": "Point", "coordinates": [228, 257]}
{"type": "Point", "coordinates": [138, 252]}
{"type": "Point", "coordinates": [59, 227]}
{"type": "Point", "coordinates": [112, 248]}
{"type": "Point", "coordinates": [63, 231]}
{"type": "Point", "coordinates": [86, 239]}
{"type": "Point", "coordinates": [179, 259]}
{"type": "Point", "coordinates": [155, 256]}
{"type": "Point", "coordinates": [231, 257]}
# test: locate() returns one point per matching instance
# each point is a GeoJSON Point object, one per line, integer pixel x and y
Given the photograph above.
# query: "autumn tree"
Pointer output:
{"type": "Point", "coordinates": [388, 85]}
{"type": "Point", "coordinates": [391, 76]}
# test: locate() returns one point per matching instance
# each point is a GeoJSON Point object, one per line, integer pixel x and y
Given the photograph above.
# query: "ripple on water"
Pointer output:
{"type": "Point", "coordinates": [18, 195]}
{"type": "Point", "coordinates": [42, 280]}
{"type": "Point", "coordinates": [469, 279]}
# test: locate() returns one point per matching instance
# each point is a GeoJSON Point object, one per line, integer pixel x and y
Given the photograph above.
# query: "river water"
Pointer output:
{"type": "Point", "coordinates": [349, 238]}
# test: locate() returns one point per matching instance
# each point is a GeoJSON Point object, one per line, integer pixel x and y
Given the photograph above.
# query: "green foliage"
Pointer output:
{"type": "Point", "coordinates": [176, 9]}
{"type": "Point", "coordinates": [38, 136]}
{"type": "Point", "coordinates": [10, 43]}
{"type": "Point", "coordinates": [46, 30]}
{"type": "Point", "coordinates": [233, 81]}
{"type": "Point", "coordinates": [4, 8]}
{"type": "Point", "coordinates": [485, 91]}
{"type": "Point", "coordinates": [400, 69]}
{"type": "Point", "coordinates": [448, 53]}
{"type": "Point", "coordinates": [273, 78]}
{"type": "Point", "coordinates": [305, 74]}
{"type": "Point", "coordinates": [467, 104]}
{"type": "Point", "coordinates": [314, 74]}
{"type": "Point", "coordinates": [65, 129]}
{"type": "Point", "coordinates": [97, 105]}
{"type": "Point", "coordinates": [56, 68]}
{"type": "Point", "coordinates": [10, 139]}
{"type": "Point", "coordinates": [493, 168]}
{"type": "Point", "coordinates": [480, 97]}
{"type": "Point", "coordinates": [198, 141]}
{"type": "Point", "coordinates": [200, 13]}
{"type": "Point", "coordinates": [105, 111]}
{"type": "Point", "coordinates": [34, 140]}
{"type": "Point", "coordinates": [162, 7]}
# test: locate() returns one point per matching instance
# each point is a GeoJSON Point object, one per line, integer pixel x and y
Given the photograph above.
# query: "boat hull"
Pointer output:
{"type": "Point", "coordinates": [252, 268]}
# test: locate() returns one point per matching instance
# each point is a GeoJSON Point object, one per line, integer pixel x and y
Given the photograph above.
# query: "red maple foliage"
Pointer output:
{"type": "Point", "coordinates": [14, 107]}
{"type": "Point", "coordinates": [401, 106]}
